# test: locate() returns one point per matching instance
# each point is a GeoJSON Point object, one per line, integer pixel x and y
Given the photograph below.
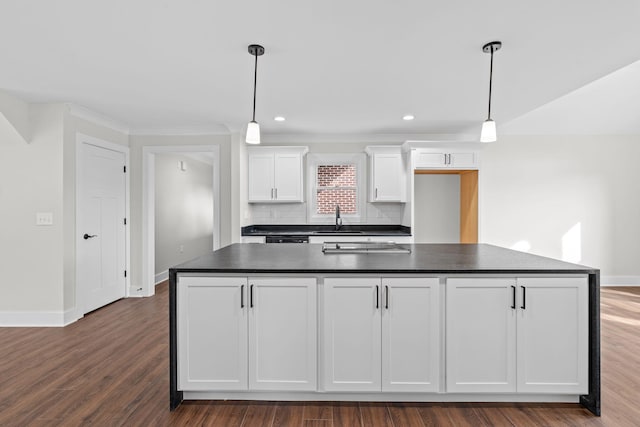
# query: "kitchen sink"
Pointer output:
{"type": "Point", "coordinates": [364, 248]}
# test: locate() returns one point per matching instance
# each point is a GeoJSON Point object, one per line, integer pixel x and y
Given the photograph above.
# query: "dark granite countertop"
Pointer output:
{"type": "Point", "coordinates": [324, 229]}
{"type": "Point", "coordinates": [424, 258]}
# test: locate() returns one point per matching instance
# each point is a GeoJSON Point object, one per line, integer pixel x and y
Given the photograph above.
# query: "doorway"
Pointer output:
{"type": "Point", "coordinates": [102, 238]}
{"type": "Point", "coordinates": [149, 154]}
{"type": "Point", "coordinates": [464, 210]}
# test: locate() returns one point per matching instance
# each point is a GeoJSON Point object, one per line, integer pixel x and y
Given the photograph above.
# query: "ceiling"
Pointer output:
{"type": "Point", "coordinates": [330, 67]}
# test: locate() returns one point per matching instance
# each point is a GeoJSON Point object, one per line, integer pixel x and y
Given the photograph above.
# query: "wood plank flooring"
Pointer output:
{"type": "Point", "coordinates": [111, 369]}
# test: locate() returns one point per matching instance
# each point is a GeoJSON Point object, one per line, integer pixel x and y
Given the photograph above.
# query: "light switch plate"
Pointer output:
{"type": "Point", "coordinates": [44, 218]}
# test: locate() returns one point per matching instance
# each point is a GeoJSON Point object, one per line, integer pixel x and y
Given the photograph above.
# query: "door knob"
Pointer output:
{"type": "Point", "coordinates": [88, 236]}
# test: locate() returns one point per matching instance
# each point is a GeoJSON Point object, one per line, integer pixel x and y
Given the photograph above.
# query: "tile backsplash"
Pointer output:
{"type": "Point", "coordinates": [296, 213]}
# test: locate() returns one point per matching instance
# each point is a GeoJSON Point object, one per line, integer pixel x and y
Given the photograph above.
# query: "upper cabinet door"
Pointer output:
{"type": "Point", "coordinates": [553, 335]}
{"type": "Point", "coordinates": [388, 182]}
{"type": "Point", "coordinates": [261, 178]}
{"type": "Point", "coordinates": [275, 174]}
{"type": "Point", "coordinates": [437, 158]}
{"type": "Point", "coordinates": [288, 177]}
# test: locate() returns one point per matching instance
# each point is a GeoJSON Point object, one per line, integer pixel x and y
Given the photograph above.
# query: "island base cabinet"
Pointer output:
{"type": "Point", "coordinates": [480, 335]}
{"type": "Point", "coordinates": [524, 335]}
{"type": "Point", "coordinates": [212, 333]}
{"type": "Point", "coordinates": [282, 334]}
{"type": "Point", "coordinates": [382, 334]}
{"type": "Point", "coordinates": [352, 334]}
{"type": "Point", "coordinates": [247, 334]}
{"type": "Point", "coordinates": [410, 334]}
{"type": "Point", "coordinates": [553, 335]}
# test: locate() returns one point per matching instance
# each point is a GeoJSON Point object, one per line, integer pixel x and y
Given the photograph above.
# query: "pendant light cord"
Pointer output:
{"type": "Point", "coordinates": [255, 83]}
{"type": "Point", "coordinates": [490, 80]}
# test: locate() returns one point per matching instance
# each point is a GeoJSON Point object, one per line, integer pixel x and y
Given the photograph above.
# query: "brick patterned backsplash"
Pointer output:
{"type": "Point", "coordinates": [327, 200]}
{"type": "Point", "coordinates": [343, 177]}
{"type": "Point", "coordinates": [337, 176]}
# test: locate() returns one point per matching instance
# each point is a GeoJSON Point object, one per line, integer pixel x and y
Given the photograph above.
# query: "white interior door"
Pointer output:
{"type": "Point", "coordinates": [101, 240]}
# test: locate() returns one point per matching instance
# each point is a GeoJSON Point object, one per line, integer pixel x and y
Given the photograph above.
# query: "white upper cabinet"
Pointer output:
{"type": "Point", "coordinates": [427, 158]}
{"type": "Point", "coordinates": [388, 176]}
{"type": "Point", "coordinates": [276, 174]}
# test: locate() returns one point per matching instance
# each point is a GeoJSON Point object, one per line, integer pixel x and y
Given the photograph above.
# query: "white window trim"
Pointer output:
{"type": "Point", "coordinates": [316, 159]}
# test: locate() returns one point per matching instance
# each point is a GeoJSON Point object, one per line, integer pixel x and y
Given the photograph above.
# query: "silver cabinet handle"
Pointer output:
{"type": "Point", "coordinates": [376, 195]}
{"type": "Point", "coordinates": [276, 192]}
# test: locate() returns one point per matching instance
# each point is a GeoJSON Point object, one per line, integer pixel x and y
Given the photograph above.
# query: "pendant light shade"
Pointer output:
{"type": "Point", "coordinates": [488, 133]}
{"type": "Point", "coordinates": [253, 128]}
{"type": "Point", "coordinates": [253, 133]}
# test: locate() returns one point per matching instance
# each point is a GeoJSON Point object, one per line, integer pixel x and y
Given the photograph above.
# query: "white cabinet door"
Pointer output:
{"type": "Point", "coordinates": [261, 176]}
{"type": "Point", "coordinates": [410, 334]}
{"type": "Point", "coordinates": [212, 333]}
{"type": "Point", "coordinates": [438, 159]}
{"type": "Point", "coordinates": [282, 334]}
{"type": "Point", "coordinates": [481, 334]}
{"type": "Point", "coordinates": [275, 174]}
{"type": "Point", "coordinates": [352, 334]}
{"type": "Point", "coordinates": [463, 160]}
{"type": "Point", "coordinates": [430, 160]}
{"type": "Point", "coordinates": [553, 335]}
{"type": "Point", "coordinates": [288, 177]}
{"type": "Point", "coordinates": [388, 178]}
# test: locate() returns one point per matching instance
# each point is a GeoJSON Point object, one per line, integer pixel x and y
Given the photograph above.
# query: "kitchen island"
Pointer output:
{"type": "Point", "coordinates": [444, 322]}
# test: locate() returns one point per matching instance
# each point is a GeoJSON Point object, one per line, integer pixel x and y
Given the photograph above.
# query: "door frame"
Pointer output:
{"type": "Point", "coordinates": [148, 206]}
{"type": "Point", "coordinates": [101, 143]}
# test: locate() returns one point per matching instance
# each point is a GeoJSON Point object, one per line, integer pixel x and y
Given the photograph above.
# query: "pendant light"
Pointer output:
{"type": "Point", "coordinates": [488, 133]}
{"type": "Point", "coordinates": [253, 128]}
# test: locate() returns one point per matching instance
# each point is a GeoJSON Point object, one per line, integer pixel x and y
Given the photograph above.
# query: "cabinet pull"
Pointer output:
{"type": "Point", "coordinates": [241, 296]}
{"type": "Point", "coordinates": [272, 194]}
{"type": "Point", "coordinates": [524, 298]}
{"type": "Point", "coordinates": [376, 195]}
{"type": "Point", "coordinates": [386, 302]}
{"type": "Point", "coordinates": [275, 191]}
{"type": "Point", "coordinates": [377, 297]}
{"type": "Point", "coordinates": [513, 301]}
{"type": "Point", "coordinates": [251, 296]}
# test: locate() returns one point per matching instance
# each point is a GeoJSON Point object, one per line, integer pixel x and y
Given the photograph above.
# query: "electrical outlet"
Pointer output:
{"type": "Point", "coordinates": [44, 218]}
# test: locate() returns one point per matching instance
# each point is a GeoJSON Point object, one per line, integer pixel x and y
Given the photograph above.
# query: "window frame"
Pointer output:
{"type": "Point", "coordinates": [319, 159]}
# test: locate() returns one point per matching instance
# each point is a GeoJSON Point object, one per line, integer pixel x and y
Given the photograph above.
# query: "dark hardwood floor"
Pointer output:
{"type": "Point", "coordinates": [111, 369]}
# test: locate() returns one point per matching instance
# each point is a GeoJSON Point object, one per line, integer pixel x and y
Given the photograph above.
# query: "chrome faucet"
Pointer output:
{"type": "Point", "coordinates": [338, 219]}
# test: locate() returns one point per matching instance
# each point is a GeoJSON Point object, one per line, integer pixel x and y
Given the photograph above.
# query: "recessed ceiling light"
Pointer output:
{"type": "Point", "coordinates": [408, 117]}
{"type": "Point", "coordinates": [279, 119]}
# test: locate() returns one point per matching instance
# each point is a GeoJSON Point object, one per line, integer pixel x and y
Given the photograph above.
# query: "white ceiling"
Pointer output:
{"type": "Point", "coordinates": [330, 67]}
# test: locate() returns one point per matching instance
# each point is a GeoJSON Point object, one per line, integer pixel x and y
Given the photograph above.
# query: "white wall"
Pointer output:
{"type": "Point", "coordinates": [31, 257]}
{"type": "Point", "coordinates": [436, 202]}
{"type": "Point", "coordinates": [183, 209]}
{"type": "Point", "coordinates": [573, 198]}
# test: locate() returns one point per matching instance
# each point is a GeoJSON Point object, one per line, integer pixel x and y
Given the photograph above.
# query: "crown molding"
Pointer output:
{"type": "Point", "coordinates": [183, 130]}
{"type": "Point", "coordinates": [393, 139]}
{"type": "Point", "coordinates": [97, 118]}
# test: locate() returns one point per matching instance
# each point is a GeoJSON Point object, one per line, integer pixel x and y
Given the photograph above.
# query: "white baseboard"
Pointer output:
{"type": "Point", "coordinates": [37, 318]}
{"type": "Point", "coordinates": [161, 277]}
{"type": "Point", "coordinates": [620, 281]}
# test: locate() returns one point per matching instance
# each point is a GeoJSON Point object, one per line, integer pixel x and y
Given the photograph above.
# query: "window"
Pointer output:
{"type": "Point", "coordinates": [335, 179]}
